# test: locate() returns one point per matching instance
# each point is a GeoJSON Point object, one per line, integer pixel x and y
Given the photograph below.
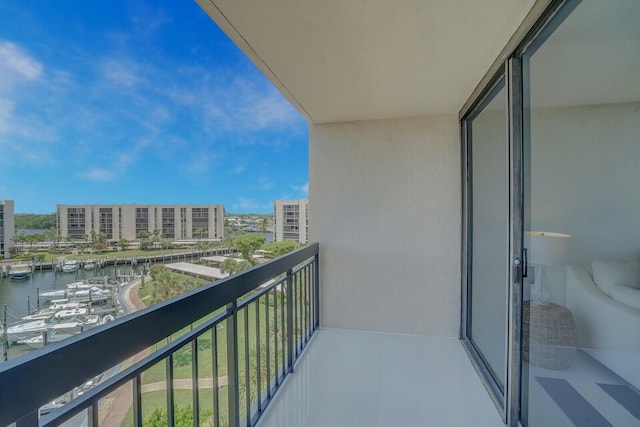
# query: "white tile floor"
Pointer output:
{"type": "Point", "coordinates": [353, 378]}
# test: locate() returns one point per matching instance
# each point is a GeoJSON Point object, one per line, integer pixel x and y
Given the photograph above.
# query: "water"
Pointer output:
{"type": "Point", "coordinates": [14, 293]}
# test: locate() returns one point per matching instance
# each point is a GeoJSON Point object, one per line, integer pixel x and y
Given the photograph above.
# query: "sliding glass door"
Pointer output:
{"type": "Point", "coordinates": [551, 255]}
{"type": "Point", "coordinates": [488, 236]}
{"type": "Point", "coordinates": [581, 317]}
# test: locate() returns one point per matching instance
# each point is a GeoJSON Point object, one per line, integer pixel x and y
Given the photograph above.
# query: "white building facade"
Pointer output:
{"type": "Point", "coordinates": [176, 222]}
{"type": "Point", "coordinates": [7, 228]}
{"type": "Point", "coordinates": [291, 220]}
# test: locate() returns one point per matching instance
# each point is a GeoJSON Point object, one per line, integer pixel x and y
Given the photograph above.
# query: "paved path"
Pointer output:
{"type": "Point", "coordinates": [114, 407]}
{"type": "Point", "coordinates": [183, 384]}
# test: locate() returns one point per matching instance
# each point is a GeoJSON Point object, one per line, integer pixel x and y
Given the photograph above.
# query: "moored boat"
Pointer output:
{"type": "Point", "coordinates": [53, 335]}
{"type": "Point", "coordinates": [19, 271]}
{"type": "Point", "coordinates": [89, 264]}
{"type": "Point", "coordinates": [70, 266]}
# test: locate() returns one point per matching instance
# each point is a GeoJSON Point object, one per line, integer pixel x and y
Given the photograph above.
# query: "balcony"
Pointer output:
{"type": "Point", "coordinates": [267, 317]}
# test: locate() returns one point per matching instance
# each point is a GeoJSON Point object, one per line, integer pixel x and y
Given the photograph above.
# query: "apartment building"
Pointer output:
{"type": "Point", "coordinates": [291, 220]}
{"type": "Point", "coordinates": [7, 228]}
{"type": "Point", "coordinates": [176, 222]}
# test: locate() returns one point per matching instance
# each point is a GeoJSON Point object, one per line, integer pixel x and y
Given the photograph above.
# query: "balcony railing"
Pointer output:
{"type": "Point", "coordinates": [255, 325]}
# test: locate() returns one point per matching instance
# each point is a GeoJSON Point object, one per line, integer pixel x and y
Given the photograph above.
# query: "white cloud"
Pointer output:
{"type": "Point", "coordinates": [302, 188]}
{"type": "Point", "coordinates": [251, 205]}
{"type": "Point", "coordinates": [16, 64]}
{"type": "Point", "coordinates": [98, 174]}
{"type": "Point", "coordinates": [120, 71]}
{"type": "Point", "coordinates": [264, 183]}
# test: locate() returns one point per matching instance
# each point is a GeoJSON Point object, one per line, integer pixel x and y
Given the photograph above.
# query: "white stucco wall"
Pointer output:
{"type": "Point", "coordinates": [385, 208]}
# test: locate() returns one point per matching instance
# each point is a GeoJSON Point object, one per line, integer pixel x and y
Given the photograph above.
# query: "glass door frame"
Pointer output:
{"type": "Point", "coordinates": [503, 397]}
{"type": "Point", "coordinates": [511, 65]}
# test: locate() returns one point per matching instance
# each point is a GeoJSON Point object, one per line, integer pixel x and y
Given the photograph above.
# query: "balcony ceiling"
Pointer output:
{"type": "Point", "coordinates": [347, 60]}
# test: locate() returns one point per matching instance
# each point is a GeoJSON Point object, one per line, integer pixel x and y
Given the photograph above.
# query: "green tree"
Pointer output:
{"type": "Point", "coordinates": [276, 249]}
{"type": "Point", "coordinates": [231, 266]}
{"type": "Point", "coordinates": [166, 243]}
{"type": "Point", "coordinates": [35, 221]}
{"type": "Point", "coordinates": [124, 244]}
{"type": "Point", "coordinates": [98, 247]}
{"type": "Point", "coordinates": [146, 244]}
{"type": "Point", "coordinates": [102, 237]}
{"type": "Point", "coordinates": [94, 235]}
{"type": "Point", "coordinates": [144, 234]}
{"type": "Point", "coordinates": [19, 239]}
{"type": "Point", "coordinates": [262, 225]}
{"type": "Point", "coordinates": [228, 244]}
{"type": "Point", "coordinates": [248, 243]}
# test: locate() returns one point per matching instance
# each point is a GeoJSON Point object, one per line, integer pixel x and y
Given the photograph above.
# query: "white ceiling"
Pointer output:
{"type": "Point", "coordinates": [347, 60]}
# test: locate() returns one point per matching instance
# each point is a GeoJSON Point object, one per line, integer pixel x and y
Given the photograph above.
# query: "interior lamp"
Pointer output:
{"type": "Point", "coordinates": [545, 249]}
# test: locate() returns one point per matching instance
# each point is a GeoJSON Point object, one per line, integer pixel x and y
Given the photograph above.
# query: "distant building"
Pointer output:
{"type": "Point", "coordinates": [175, 222]}
{"type": "Point", "coordinates": [291, 220]}
{"type": "Point", "coordinates": [7, 228]}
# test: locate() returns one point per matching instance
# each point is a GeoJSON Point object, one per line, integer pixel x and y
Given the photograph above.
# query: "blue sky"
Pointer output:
{"type": "Point", "coordinates": [136, 102]}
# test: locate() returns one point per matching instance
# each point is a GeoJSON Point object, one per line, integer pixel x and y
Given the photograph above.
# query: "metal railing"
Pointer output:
{"type": "Point", "coordinates": [269, 312]}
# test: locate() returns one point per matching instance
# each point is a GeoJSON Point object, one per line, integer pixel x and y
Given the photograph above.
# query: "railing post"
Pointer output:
{"type": "Point", "coordinates": [92, 415]}
{"type": "Point", "coordinates": [5, 336]}
{"type": "Point", "coordinates": [290, 319]}
{"type": "Point", "coordinates": [233, 385]}
{"type": "Point", "coordinates": [316, 286]}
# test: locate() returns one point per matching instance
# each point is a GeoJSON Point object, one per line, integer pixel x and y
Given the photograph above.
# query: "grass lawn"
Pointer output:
{"type": "Point", "coordinates": [247, 329]}
{"type": "Point", "coordinates": [181, 398]}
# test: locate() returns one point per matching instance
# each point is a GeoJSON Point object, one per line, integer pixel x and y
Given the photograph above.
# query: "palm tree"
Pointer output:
{"type": "Point", "coordinates": [124, 244]}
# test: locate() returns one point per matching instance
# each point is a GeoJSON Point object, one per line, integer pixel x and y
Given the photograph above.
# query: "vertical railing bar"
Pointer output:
{"type": "Point", "coordinates": [169, 370]}
{"type": "Point", "coordinates": [283, 331]}
{"type": "Point", "coordinates": [294, 293]}
{"type": "Point", "coordinates": [268, 345]}
{"type": "Point", "coordinates": [290, 302]}
{"type": "Point", "coordinates": [312, 307]}
{"type": "Point", "coordinates": [307, 305]}
{"type": "Point", "coordinates": [93, 415]}
{"type": "Point", "coordinates": [275, 333]}
{"type": "Point", "coordinates": [247, 370]}
{"type": "Point", "coordinates": [316, 286]}
{"type": "Point", "coordinates": [259, 367]}
{"type": "Point", "coordinates": [298, 307]}
{"type": "Point", "coordinates": [137, 401]}
{"type": "Point", "coordinates": [214, 374]}
{"type": "Point", "coordinates": [195, 380]}
{"type": "Point", "coordinates": [232, 365]}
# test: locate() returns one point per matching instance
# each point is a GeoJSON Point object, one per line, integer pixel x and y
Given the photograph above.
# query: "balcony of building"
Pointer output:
{"type": "Point", "coordinates": [398, 95]}
{"type": "Point", "coordinates": [251, 344]}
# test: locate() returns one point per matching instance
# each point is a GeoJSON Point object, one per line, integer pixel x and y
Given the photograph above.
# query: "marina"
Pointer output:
{"type": "Point", "coordinates": [91, 295]}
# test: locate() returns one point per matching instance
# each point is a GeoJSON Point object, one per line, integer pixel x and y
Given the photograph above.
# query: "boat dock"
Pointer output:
{"type": "Point", "coordinates": [113, 260]}
{"type": "Point", "coordinates": [199, 271]}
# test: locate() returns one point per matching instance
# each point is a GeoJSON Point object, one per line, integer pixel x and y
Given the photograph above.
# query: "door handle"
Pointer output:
{"type": "Point", "coordinates": [526, 263]}
{"type": "Point", "coordinates": [516, 271]}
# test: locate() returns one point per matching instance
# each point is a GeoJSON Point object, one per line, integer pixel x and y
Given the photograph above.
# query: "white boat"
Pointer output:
{"type": "Point", "coordinates": [70, 266]}
{"type": "Point", "coordinates": [67, 320]}
{"type": "Point", "coordinates": [48, 312]}
{"type": "Point", "coordinates": [53, 335]}
{"type": "Point", "coordinates": [92, 294]}
{"type": "Point", "coordinates": [19, 271]}
{"type": "Point", "coordinates": [89, 264]}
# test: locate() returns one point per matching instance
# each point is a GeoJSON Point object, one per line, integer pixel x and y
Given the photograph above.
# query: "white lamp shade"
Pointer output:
{"type": "Point", "coordinates": [546, 248]}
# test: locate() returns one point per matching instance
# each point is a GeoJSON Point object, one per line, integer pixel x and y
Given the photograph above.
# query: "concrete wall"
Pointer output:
{"type": "Point", "coordinates": [385, 207]}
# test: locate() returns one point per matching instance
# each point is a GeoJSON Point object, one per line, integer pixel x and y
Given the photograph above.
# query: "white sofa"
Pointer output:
{"type": "Point", "coordinates": [607, 329]}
